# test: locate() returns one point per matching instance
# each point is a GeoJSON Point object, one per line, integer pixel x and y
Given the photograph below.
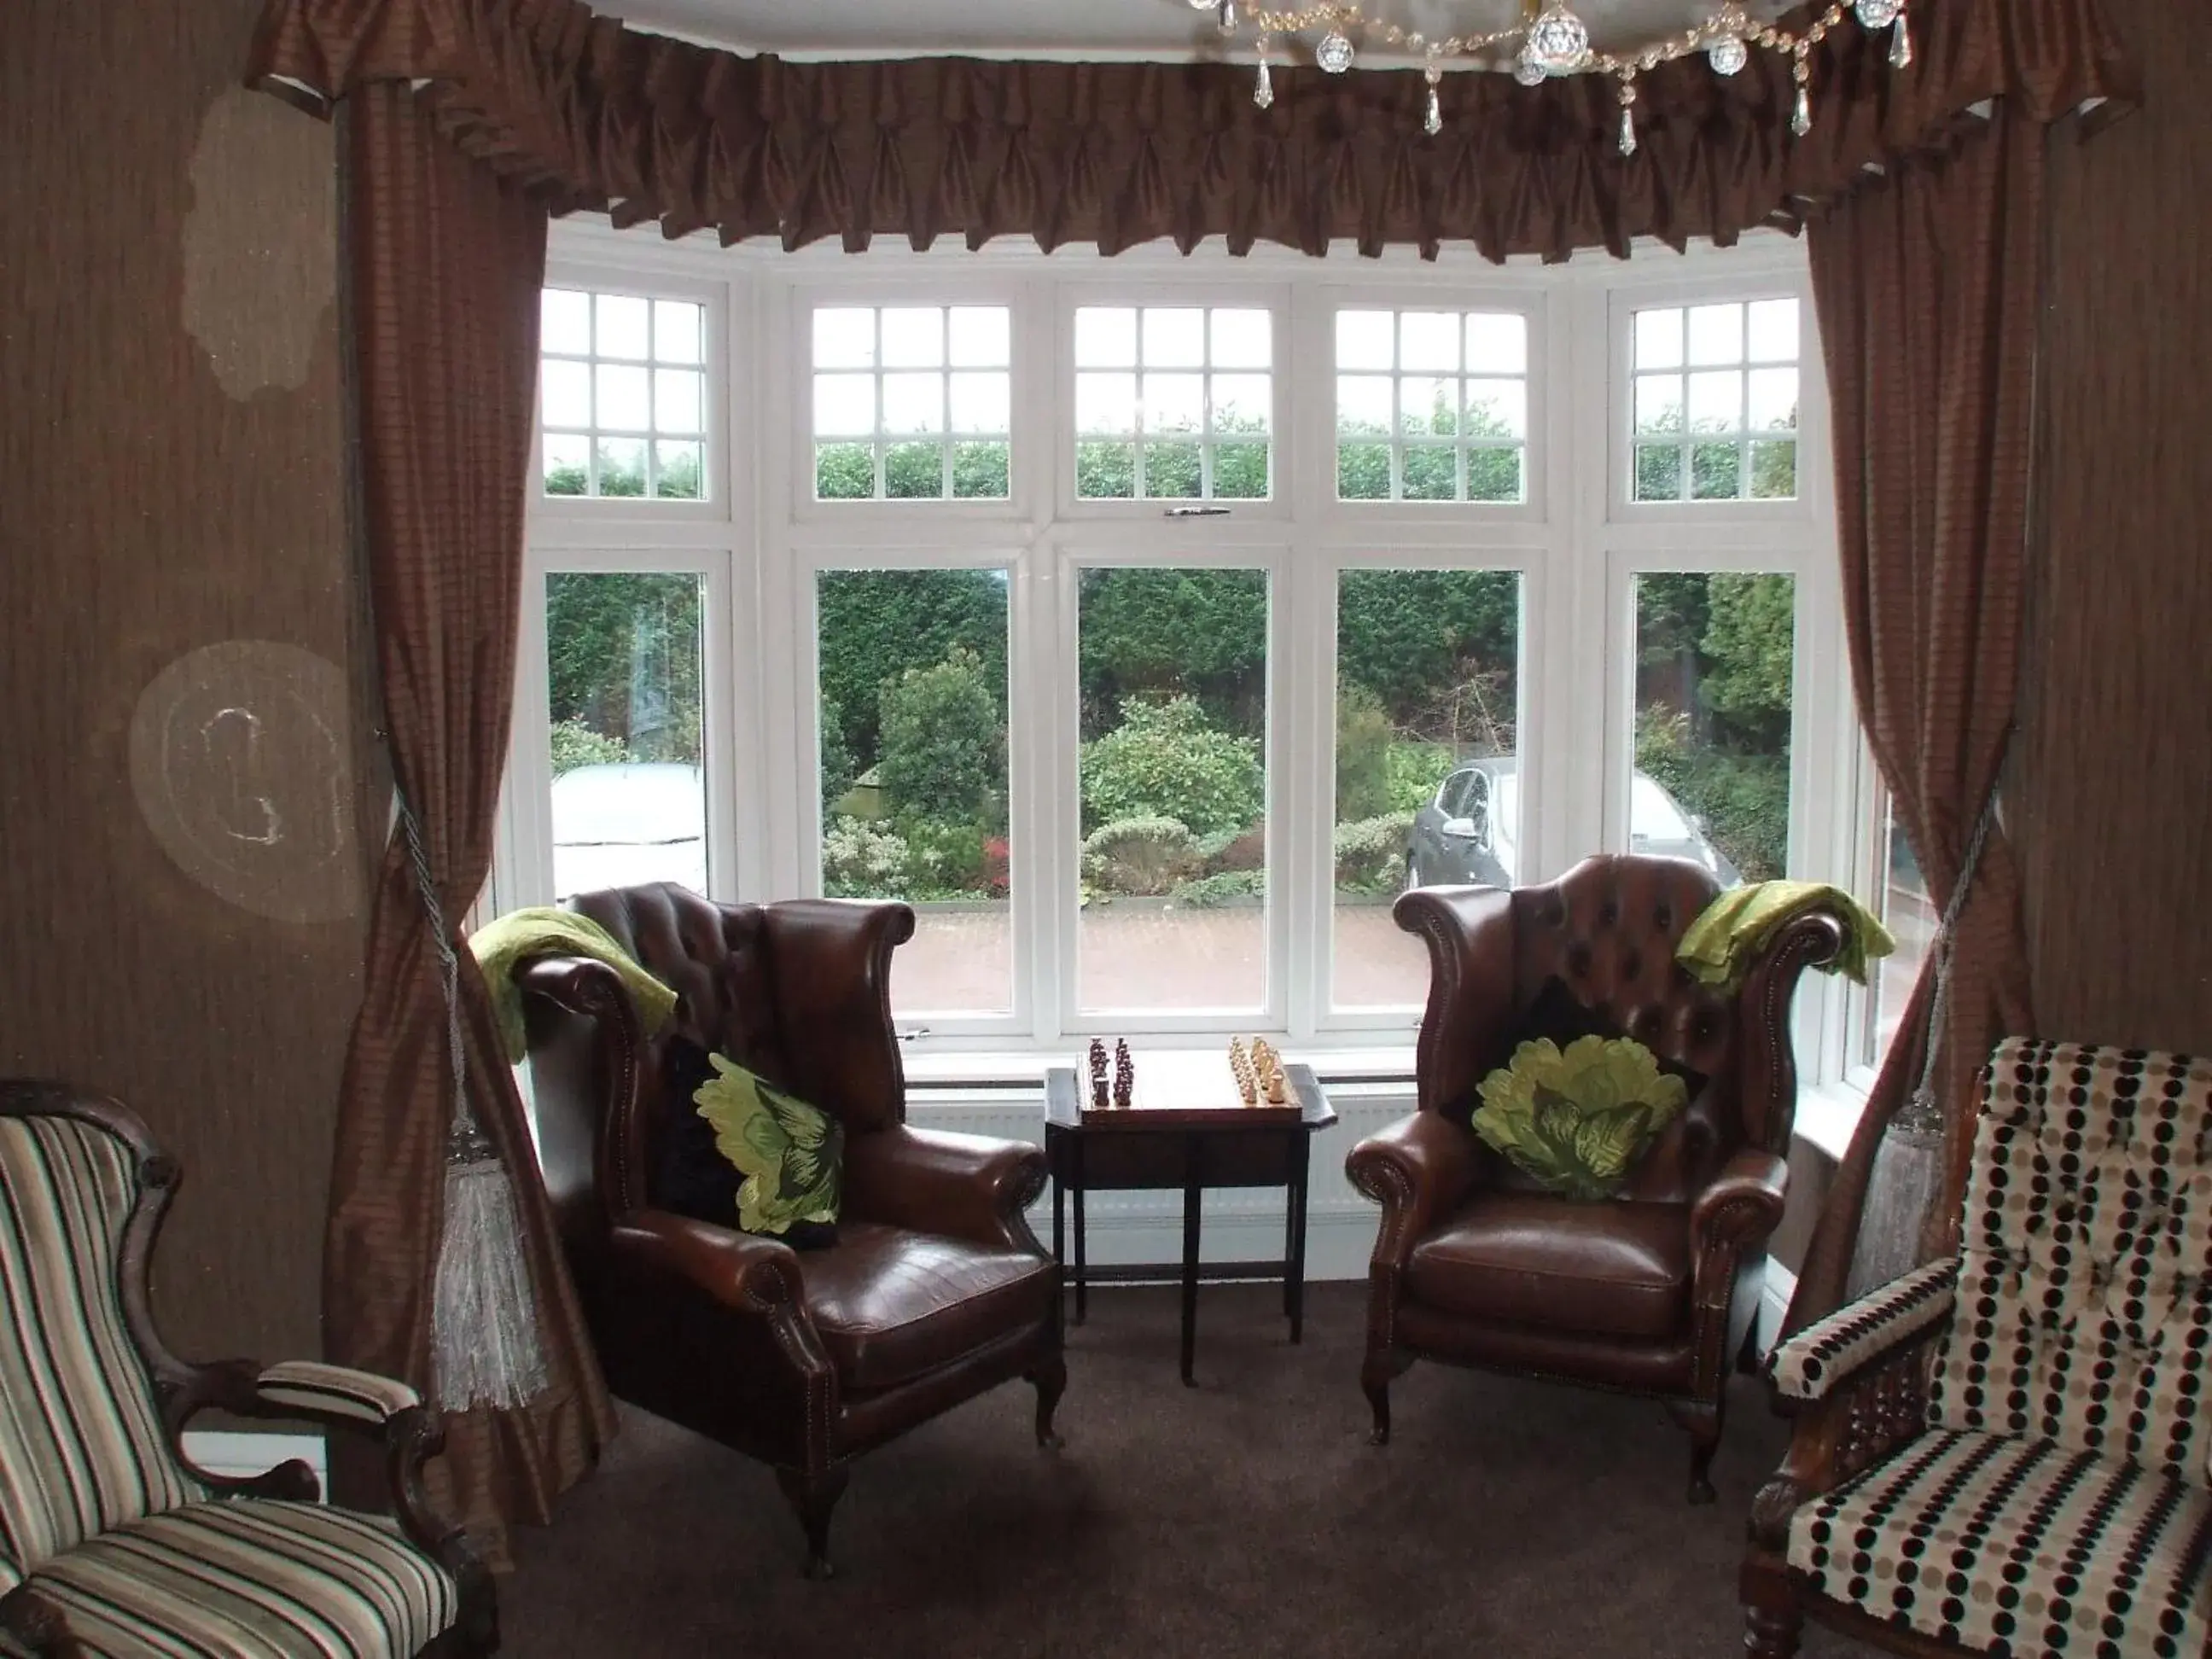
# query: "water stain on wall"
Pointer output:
{"type": "Point", "coordinates": [260, 243]}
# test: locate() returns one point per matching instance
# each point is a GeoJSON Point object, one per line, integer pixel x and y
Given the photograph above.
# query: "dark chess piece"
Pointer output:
{"type": "Point", "coordinates": [1097, 1072]}
{"type": "Point", "coordinates": [1125, 1072]}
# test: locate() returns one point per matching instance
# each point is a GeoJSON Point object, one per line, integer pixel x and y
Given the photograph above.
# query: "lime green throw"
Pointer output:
{"type": "Point", "coordinates": [1576, 1120]}
{"type": "Point", "coordinates": [791, 1154]}
{"type": "Point", "coordinates": [542, 931]}
{"type": "Point", "coordinates": [1729, 932]}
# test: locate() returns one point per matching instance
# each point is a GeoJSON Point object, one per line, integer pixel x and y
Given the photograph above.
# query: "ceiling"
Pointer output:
{"type": "Point", "coordinates": [1096, 29]}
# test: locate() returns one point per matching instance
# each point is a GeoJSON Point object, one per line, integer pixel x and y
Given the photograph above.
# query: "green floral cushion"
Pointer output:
{"type": "Point", "coordinates": [1577, 1119]}
{"type": "Point", "coordinates": [792, 1154]}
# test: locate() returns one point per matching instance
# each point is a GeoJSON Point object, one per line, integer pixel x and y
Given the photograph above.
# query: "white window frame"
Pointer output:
{"type": "Point", "coordinates": [762, 540]}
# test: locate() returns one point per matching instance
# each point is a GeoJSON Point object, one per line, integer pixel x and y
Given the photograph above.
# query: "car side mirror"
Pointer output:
{"type": "Point", "coordinates": [1466, 830]}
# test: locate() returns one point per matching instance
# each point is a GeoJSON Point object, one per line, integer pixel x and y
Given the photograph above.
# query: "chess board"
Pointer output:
{"type": "Point", "coordinates": [1178, 1088]}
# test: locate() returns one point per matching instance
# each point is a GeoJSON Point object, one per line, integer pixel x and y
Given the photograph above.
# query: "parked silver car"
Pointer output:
{"type": "Point", "coordinates": [1467, 833]}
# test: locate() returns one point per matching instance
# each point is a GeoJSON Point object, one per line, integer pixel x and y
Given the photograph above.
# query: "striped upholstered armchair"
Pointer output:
{"type": "Point", "coordinates": [2006, 1452]}
{"type": "Point", "coordinates": [111, 1543]}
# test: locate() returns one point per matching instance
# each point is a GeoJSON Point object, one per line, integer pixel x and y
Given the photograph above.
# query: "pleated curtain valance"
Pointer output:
{"type": "Point", "coordinates": [602, 117]}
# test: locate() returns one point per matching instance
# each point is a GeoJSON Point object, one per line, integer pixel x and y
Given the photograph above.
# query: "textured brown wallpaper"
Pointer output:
{"type": "Point", "coordinates": [2113, 802]}
{"type": "Point", "coordinates": [180, 881]}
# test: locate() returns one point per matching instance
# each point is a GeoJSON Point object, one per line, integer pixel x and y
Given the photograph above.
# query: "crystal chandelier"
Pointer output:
{"type": "Point", "coordinates": [1550, 40]}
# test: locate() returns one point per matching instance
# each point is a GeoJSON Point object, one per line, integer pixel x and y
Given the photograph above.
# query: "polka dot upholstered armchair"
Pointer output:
{"type": "Point", "coordinates": [2006, 1452]}
{"type": "Point", "coordinates": [113, 1546]}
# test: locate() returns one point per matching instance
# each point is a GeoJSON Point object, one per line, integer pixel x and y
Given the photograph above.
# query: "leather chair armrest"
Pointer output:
{"type": "Point", "coordinates": [1418, 1169]}
{"type": "Point", "coordinates": [1743, 1203]}
{"type": "Point", "coordinates": [1465, 1027]}
{"type": "Point", "coordinates": [578, 985]}
{"type": "Point", "coordinates": [742, 1272]}
{"type": "Point", "coordinates": [971, 1187]}
{"type": "Point", "coordinates": [1766, 1066]}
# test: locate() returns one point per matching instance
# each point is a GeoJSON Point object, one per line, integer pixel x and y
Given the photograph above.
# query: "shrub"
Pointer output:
{"type": "Point", "coordinates": [861, 859]}
{"type": "Point", "coordinates": [1139, 855]}
{"type": "Point", "coordinates": [944, 858]}
{"type": "Point", "coordinates": [1206, 892]}
{"type": "Point", "coordinates": [1236, 850]}
{"type": "Point", "coordinates": [1168, 761]}
{"type": "Point", "coordinates": [1370, 854]}
{"type": "Point", "coordinates": [838, 768]}
{"type": "Point", "coordinates": [1362, 752]}
{"type": "Point", "coordinates": [1413, 770]}
{"type": "Point", "coordinates": [1744, 799]}
{"type": "Point", "coordinates": [576, 743]}
{"type": "Point", "coordinates": [996, 866]}
{"type": "Point", "coordinates": [943, 739]}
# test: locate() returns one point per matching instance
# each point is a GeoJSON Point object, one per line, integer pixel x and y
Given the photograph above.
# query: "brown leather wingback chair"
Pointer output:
{"type": "Point", "coordinates": [1653, 1291]}
{"type": "Point", "coordinates": [936, 1288]}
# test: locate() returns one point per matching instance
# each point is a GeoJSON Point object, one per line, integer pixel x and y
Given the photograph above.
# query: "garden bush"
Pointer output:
{"type": "Point", "coordinates": [1370, 854]}
{"type": "Point", "coordinates": [1139, 855]}
{"type": "Point", "coordinates": [944, 857]}
{"type": "Point", "coordinates": [1208, 892]}
{"type": "Point", "coordinates": [1166, 760]}
{"type": "Point", "coordinates": [861, 859]}
{"type": "Point", "coordinates": [575, 745]}
{"type": "Point", "coordinates": [1362, 752]}
{"type": "Point", "coordinates": [1744, 799]}
{"type": "Point", "coordinates": [1234, 850]}
{"type": "Point", "coordinates": [1413, 770]}
{"type": "Point", "coordinates": [944, 740]}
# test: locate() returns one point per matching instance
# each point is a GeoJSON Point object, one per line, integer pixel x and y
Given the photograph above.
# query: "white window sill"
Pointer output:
{"type": "Point", "coordinates": [945, 1070]}
{"type": "Point", "coordinates": [1828, 1115]}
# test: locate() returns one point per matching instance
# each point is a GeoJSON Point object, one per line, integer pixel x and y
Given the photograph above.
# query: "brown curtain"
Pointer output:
{"type": "Point", "coordinates": [1928, 287]}
{"type": "Point", "coordinates": [447, 262]}
{"type": "Point", "coordinates": [1113, 154]}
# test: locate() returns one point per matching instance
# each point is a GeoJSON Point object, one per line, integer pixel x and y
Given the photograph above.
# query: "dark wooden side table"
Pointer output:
{"type": "Point", "coordinates": [1173, 1144]}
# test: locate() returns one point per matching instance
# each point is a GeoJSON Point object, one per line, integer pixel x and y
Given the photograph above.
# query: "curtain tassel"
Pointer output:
{"type": "Point", "coordinates": [483, 1313]}
{"type": "Point", "coordinates": [1907, 1171]}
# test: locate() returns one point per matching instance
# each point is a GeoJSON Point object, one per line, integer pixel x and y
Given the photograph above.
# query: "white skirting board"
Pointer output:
{"type": "Point", "coordinates": [237, 1455]}
{"type": "Point", "coordinates": [1774, 1304]}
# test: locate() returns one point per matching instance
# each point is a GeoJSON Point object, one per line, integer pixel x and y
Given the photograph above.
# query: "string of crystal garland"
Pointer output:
{"type": "Point", "coordinates": [1550, 40]}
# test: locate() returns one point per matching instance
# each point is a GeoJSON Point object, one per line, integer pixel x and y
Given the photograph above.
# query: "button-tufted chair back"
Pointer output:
{"type": "Point", "coordinates": [1607, 930]}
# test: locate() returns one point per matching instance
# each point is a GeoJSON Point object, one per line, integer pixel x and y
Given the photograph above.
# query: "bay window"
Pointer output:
{"type": "Point", "coordinates": [1150, 623]}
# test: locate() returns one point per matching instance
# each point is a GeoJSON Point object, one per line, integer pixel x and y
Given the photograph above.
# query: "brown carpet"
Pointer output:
{"type": "Point", "coordinates": [1246, 1515]}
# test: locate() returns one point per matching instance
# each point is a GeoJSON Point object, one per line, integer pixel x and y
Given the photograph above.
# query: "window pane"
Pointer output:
{"type": "Point", "coordinates": [1428, 340]}
{"type": "Point", "coordinates": [1773, 399]}
{"type": "Point", "coordinates": [980, 471]}
{"type": "Point", "coordinates": [1659, 403]}
{"type": "Point", "coordinates": [1428, 407]}
{"type": "Point", "coordinates": [1430, 473]}
{"type": "Point", "coordinates": [1912, 919]}
{"type": "Point", "coordinates": [567, 397]}
{"type": "Point", "coordinates": [1774, 471]}
{"type": "Point", "coordinates": [1659, 339]}
{"type": "Point", "coordinates": [844, 337]}
{"type": "Point", "coordinates": [624, 322]}
{"type": "Point", "coordinates": [914, 402]}
{"type": "Point", "coordinates": [1716, 401]}
{"type": "Point", "coordinates": [1363, 404]}
{"type": "Point", "coordinates": [1658, 473]}
{"type": "Point", "coordinates": [913, 337]}
{"type": "Point", "coordinates": [625, 403]}
{"type": "Point", "coordinates": [567, 465]}
{"type": "Point", "coordinates": [1243, 339]}
{"type": "Point", "coordinates": [1106, 403]}
{"type": "Point", "coordinates": [1106, 471]}
{"type": "Point", "coordinates": [1714, 656]}
{"type": "Point", "coordinates": [1716, 472]}
{"type": "Point", "coordinates": [981, 337]}
{"type": "Point", "coordinates": [1494, 475]}
{"type": "Point", "coordinates": [678, 471]}
{"type": "Point", "coordinates": [676, 394]}
{"type": "Point", "coordinates": [1175, 337]}
{"type": "Point", "coordinates": [1106, 336]}
{"type": "Point", "coordinates": [1364, 339]}
{"type": "Point", "coordinates": [1173, 472]}
{"type": "Point", "coordinates": [1497, 409]}
{"type": "Point", "coordinates": [1241, 402]}
{"type": "Point", "coordinates": [1174, 402]}
{"type": "Point", "coordinates": [1774, 331]}
{"type": "Point", "coordinates": [1173, 675]}
{"type": "Point", "coordinates": [912, 678]}
{"type": "Point", "coordinates": [676, 328]}
{"type": "Point", "coordinates": [622, 466]}
{"type": "Point", "coordinates": [980, 403]}
{"type": "Point", "coordinates": [622, 675]}
{"type": "Point", "coordinates": [1716, 334]}
{"type": "Point", "coordinates": [1240, 471]}
{"type": "Point", "coordinates": [913, 472]}
{"type": "Point", "coordinates": [565, 322]}
{"type": "Point", "coordinates": [1427, 693]}
{"type": "Point", "coordinates": [1363, 472]}
{"type": "Point", "coordinates": [844, 404]}
{"type": "Point", "coordinates": [844, 472]}
{"type": "Point", "coordinates": [1497, 343]}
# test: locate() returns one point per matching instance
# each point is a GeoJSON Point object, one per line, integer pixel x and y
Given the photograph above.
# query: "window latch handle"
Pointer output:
{"type": "Point", "coordinates": [1194, 513]}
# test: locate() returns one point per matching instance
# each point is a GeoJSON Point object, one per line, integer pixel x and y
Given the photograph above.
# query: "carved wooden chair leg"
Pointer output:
{"type": "Point", "coordinates": [1375, 1378]}
{"type": "Point", "coordinates": [1772, 1623]}
{"type": "Point", "coordinates": [1704, 1422]}
{"type": "Point", "coordinates": [812, 1497]}
{"type": "Point", "coordinates": [1051, 1378]}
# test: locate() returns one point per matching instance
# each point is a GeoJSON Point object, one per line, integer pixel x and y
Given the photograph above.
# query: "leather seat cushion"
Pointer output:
{"type": "Point", "coordinates": [892, 1305]}
{"type": "Point", "coordinates": [1616, 1268]}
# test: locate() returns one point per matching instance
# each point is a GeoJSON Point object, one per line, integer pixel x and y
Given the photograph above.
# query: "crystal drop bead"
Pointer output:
{"type": "Point", "coordinates": [1227, 16]}
{"type": "Point", "coordinates": [1728, 55]}
{"type": "Point", "coordinates": [1801, 120]}
{"type": "Point", "coordinates": [1333, 54]}
{"type": "Point", "coordinates": [1877, 14]}
{"type": "Point", "coordinates": [1628, 132]}
{"type": "Point", "coordinates": [1900, 46]}
{"type": "Point", "coordinates": [1528, 72]}
{"type": "Point", "coordinates": [1263, 89]}
{"type": "Point", "coordinates": [1433, 122]}
{"type": "Point", "coordinates": [1558, 40]}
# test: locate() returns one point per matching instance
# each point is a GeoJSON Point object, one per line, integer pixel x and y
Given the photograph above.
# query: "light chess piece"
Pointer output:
{"type": "Point", "coordinates": [1240, 1068]}
{"type": "Point", "coordinates": [1125, 1072]}
{"type": "Point", "coordinates": [1278, 1088]}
